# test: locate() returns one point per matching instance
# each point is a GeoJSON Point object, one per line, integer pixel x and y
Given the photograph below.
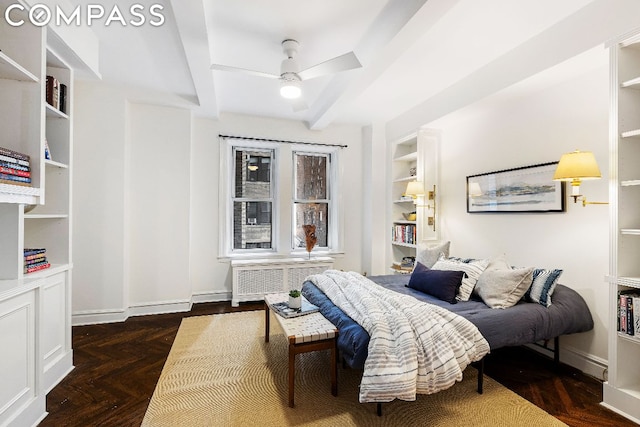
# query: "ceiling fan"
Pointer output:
{"type": "Point", "coordinates": [290, 75]}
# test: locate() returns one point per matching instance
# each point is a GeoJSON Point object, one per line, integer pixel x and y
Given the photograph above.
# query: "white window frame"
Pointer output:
{"type": "Point", "coordinates": [333, 232]}
{"type": "Point", "coordinates": [227, 197]}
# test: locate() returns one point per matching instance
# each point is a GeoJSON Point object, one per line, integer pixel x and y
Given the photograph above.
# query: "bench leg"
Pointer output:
{"type": "Point", "coordinates": [266, 322]}
{"type": "Point", "coordinates": [334, 368]}
{"type": "Point", "coordinates": [292, 372]}
{"type": "Point", "coordinates": [480, 375]}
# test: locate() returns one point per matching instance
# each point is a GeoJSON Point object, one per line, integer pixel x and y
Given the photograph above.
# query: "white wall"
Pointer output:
{"type": "Point", "coordinates": [495, 135]}
{"type": "Point", "coordinates": [98, 202]}
{"type": "Point", "coordinates": [126, 222]}
{"type": "Point", "coordinates": [157, 206]}
{"type": "Point", "coordinates": [146, 209]}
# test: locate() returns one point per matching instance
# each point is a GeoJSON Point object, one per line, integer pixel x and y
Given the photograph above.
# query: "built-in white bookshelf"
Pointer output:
{"type": "Point", "coordinates": [622, 388]}
{"type": "Point", "coordinates": [404, 233]}
{"type": "Point", "coordinates": [35, 308]}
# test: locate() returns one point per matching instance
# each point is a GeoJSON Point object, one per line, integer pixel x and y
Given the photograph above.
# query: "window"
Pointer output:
{"type": "Point", "coordinates": [311, 201]}
{"type": "Point", "coordinates": [252, 198]}
{"type": "Point", "coordinates": [269, 190]}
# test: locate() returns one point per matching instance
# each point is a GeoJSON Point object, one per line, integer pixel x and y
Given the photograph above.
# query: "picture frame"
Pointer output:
{"type": "Point", "coordinates": [522, 189]}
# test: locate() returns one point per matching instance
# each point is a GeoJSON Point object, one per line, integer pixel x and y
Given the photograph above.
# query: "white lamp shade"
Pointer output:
{"type": "Point", "coordinates": [415, 188]}
{"type": "Point", "coordinates": [577, 165]}
{"type": "Point", "coordinates": [290, 89]}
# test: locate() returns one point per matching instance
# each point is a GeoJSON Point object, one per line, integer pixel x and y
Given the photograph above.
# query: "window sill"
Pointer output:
{"type": "Point", "coordinates": [277, 256]}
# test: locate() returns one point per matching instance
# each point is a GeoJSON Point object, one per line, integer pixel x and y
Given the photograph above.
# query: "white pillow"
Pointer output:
{"type": "Point", "coordinates": [473, 270]}
{"type": "Point", "coordinates": [428, 253]}
{"type": "Point", "coordinates": [503, 288]}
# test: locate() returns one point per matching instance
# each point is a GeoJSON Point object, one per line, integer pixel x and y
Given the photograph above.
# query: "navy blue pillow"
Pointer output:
{"type": "Point", "coordinates": [442, 284]}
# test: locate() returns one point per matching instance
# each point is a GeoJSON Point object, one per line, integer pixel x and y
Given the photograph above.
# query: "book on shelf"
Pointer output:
{"type": "Point", "coordinates": [16, 178]}
{"type": "Point", "coordinates": [34, 256]}
{"type": "Point", "coordinates": [16, 172]}
{"type": "Point", "coordinates": [15, 166]}
{"type": "Point", "coordinates": [62, 103]}
{"type": "Point", "coordinates": [9, 159]}
{"type": "Point", "coordinates": [36, 268]}
{"type": "Point", "coordinates": [628, 319]}
{"type": "Point", "coordinates": [12, 182]}
{"type": "Point", "coordinates": [401, 269]}
{"type": "Point", "coordinates": [14, 154]}
{"type": "Point", "coordinates": [53, 92]}
{"type": "Point", "coordinates": [34, 251]}
{"type": "Point", "coordinates": [32, 261]}
{"type": "Point", "coordinates": [283, 309]}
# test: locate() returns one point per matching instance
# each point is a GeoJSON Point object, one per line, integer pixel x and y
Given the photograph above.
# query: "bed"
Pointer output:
{"type": "Point", "coordinates": [528, 322]}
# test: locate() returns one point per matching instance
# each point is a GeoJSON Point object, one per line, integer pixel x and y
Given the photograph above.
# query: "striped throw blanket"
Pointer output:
{"type": "Point", "coordinates": [414, 347]}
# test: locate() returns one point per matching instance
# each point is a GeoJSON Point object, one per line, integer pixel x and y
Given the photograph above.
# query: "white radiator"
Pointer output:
{"type": "Point", "coordinates": [252, 279]}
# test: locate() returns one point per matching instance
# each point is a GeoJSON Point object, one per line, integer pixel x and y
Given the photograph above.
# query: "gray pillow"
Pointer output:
{"type": "Point", "coordinates": [504, 288]}
{"type": "Point", "coordinates": [428, 253]}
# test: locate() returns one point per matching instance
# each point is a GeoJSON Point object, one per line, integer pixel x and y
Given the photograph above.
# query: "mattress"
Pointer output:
{"type": "Point", "coordinates": [523, 323]}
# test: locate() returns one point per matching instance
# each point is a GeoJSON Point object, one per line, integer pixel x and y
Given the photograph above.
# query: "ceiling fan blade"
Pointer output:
{"type": "Point", "coordinates": [348, 61]}
{"type": "Point", "coordinates": [299, 105]}
{"type": "Point", "coordinates": [220, 67]}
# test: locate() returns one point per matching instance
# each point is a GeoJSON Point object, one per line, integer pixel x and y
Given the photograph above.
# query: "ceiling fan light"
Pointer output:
{"type": "Point", "coordinates": [290, 89]}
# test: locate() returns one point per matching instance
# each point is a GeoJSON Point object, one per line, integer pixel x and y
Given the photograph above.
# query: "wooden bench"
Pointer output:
{"type": "Point", "coordinates": [310, 332]}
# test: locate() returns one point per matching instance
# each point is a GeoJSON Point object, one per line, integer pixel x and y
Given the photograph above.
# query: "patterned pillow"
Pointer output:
{"type": "Point", "coordinates": [473, 269]}
{"type": "Point", "coordinates": [544, 283]}
{"type": "Point", "coordinates": [429, 255]}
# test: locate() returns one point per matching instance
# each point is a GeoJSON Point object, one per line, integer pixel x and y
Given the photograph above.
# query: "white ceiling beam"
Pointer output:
{"type": "Point", "coordinates": [192, 27]}
{"type": "Point", "coordinates": [398, 25]}
{"type": "Point", "coordinates": [570, 37]}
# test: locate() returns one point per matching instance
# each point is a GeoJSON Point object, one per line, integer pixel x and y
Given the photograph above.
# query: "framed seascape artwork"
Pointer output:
{"type": "Point", "coordinates": [525, 189]}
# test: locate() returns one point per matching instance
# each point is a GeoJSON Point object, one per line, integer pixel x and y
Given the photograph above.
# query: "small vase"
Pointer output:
{"type": "Point", "coordinates": [295, 303]}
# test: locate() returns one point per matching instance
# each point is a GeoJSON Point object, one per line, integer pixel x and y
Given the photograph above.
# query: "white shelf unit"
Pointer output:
{"type": "Point", "coordinates": [404, 234]}
{"type": "Point", "coordinates": [621, 392]}
{"type": "Point", "coordinates": [21, 104]}
{"type": "Point", "coordinates": [35, 308]}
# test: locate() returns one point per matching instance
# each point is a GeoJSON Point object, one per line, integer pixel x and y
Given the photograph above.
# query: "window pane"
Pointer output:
{"type": "Point", "coordinates": [311, 213]}
{"type": "Point", "coordinates": [311, 177]}
{"type": "Point", "coordinates": [251, 225]}
{"type": "Point", "coordinates": [253, 174]}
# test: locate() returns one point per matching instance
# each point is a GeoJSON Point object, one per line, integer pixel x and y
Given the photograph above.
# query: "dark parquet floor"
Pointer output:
{"type": "Point", "coordinates": [117, 366]}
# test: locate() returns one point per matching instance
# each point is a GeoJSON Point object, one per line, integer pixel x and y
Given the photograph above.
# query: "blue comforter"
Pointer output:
{"type": "Point", "coordinates": [523, 323]}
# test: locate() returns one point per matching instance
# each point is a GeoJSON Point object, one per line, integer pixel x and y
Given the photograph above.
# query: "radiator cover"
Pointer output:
{"type": "Point", "coordinates": [252, 279]}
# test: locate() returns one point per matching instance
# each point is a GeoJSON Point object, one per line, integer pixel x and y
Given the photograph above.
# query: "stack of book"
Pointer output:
{"type": "Point", "coordinates": [404, 234]}
{"type": "Point", "coordinates": [629, 312]}
{"type": "Point", "coordinates": [56, 94]}
{"type": "Point", "coordinates": [15, 168]}
{"type": "Point", "coordinates": [283, 309]}
{"type": "Point", "coordinates": [35, 259]}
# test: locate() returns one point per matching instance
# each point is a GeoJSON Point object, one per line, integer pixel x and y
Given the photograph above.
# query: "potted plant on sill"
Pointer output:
{"type": "Point", "coordinates": [295, 299]}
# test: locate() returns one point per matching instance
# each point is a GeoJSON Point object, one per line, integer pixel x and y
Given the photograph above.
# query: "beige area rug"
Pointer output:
{"type": "Point", "coordinates": [220, 372]}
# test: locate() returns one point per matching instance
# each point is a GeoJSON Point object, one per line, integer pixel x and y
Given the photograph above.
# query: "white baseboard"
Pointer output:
{"type": "Point", "coordinates": [163, 307]}
{"type": "Point", "coordinates": [95, 317]}
{"type": "Point", "coordinates": [214, 296]}
{"type": "Point", "coordinates": [585, 362]}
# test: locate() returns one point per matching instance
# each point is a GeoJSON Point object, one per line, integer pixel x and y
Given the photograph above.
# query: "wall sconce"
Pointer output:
{"type": "Point", "coordinates": [575, 167]}
{"type": "Point", "coordinates": [415, 189]}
